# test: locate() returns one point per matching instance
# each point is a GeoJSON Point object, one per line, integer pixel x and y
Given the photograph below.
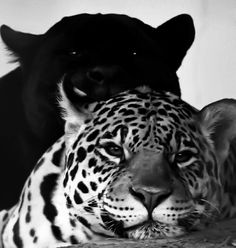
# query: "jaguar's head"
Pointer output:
{"type": "Point", "coordinates": [144, 164]}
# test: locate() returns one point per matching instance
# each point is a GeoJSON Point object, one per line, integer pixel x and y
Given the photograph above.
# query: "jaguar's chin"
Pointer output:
{"type": "Point", "coordinates": [154, 230]}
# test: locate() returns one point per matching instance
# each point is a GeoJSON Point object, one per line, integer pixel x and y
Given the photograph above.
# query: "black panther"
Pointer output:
{"type": "Point", "coordinates": [99, 54]}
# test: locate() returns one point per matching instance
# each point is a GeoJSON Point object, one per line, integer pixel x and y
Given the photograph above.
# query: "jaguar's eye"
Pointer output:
{"type": "Point", "coordinates": [114, 150]}
{"type": "Point", "coordinates": [184, 156]}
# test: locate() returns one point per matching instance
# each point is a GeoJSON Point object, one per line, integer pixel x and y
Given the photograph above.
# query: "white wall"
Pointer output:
{"type": "Point", "coordinates": [208, 71]}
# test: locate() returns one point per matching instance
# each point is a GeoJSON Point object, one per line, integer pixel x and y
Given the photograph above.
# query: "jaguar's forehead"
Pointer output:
{"type": "Point", "coordinates": [142, 104]}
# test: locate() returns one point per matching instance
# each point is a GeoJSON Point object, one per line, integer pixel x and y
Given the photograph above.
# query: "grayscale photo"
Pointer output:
{"type": "Point", "coordinates": [118, 123]}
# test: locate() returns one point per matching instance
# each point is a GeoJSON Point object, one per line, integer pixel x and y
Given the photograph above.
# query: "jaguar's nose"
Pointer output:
{"type": "Point", "coordinates": [150, 198]}
{"type": "Point", "coordinates": [152, 178]}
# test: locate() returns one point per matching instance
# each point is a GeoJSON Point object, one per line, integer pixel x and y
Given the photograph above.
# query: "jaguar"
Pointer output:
{"type": "Point", "coordinates": [142, 164]}
{"type": "Point", "coordinates": [104, 54]}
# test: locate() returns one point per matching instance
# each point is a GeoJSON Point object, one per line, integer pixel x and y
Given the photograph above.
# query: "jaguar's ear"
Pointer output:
{"type": "Point", "coordinates": [74, 110]}
{"type": "Point", "coordinates": [219, 121]}
{"type": "Point", "coordinates": [19, 43]}
{"type": "Point", "coordinates": [175, 38]}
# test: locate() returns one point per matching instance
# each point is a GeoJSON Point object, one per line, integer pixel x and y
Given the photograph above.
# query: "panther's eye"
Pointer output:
{"type": "Point", "coordinates": [74, 53]}
{"type": "Point", "coordinates": [113, 150]}
{"type": "Point", "coordinates": [184, 157]}
{"type": "Point", "coordinates": [133, 52]}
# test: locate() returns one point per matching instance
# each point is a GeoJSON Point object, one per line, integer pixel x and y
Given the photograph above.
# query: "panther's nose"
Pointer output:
{"type": "Point", "coordinates": [96, 75]}
{"type": "Point", "coordinates": [150, 198]}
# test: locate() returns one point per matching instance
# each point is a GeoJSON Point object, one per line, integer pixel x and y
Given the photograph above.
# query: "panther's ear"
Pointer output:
{"type": "Point", "coordinates": [219, 121]}
{"type": "Point", "coordinates": [74, 111]}
{"type": "Point", "coordinates": [175, 37]}
{"type": "Point", "coordinates": [19, 43]}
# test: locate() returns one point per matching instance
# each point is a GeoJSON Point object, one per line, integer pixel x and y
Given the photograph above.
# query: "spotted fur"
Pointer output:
{"type": "Point", "coordinates": [140, 165]}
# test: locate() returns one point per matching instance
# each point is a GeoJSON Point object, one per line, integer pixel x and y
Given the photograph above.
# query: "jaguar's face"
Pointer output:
{"type": "Point", "coordinates": [140, 166]}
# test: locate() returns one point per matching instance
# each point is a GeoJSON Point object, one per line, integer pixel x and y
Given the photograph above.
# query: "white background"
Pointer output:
{"type": "Point", "coordinates": [208, 72]}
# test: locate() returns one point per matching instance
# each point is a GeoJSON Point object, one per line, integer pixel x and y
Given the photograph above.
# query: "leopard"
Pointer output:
{"type": "Point", "coordinates": [143, 164]}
